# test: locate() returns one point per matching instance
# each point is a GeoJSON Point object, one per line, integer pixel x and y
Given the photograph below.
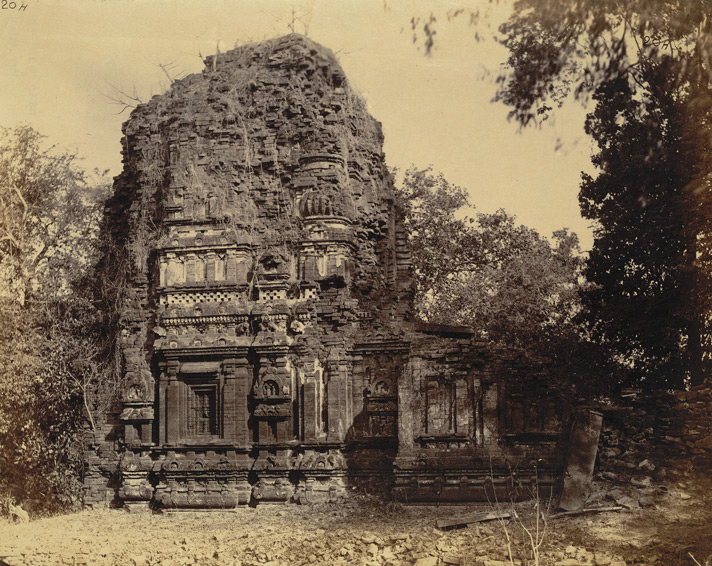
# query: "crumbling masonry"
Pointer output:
{"type": "Point", "coordinates": [267, 343]}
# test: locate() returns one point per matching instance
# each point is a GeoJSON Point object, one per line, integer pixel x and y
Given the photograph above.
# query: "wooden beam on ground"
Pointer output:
{"type": "Point", "coordinates": [477, 518]}
{"type": "Point", "coordinates": [587, 511]}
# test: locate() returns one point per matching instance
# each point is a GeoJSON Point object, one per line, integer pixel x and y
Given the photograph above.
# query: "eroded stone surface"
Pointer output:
{"type": "Point", "coordinates": [268, 348]}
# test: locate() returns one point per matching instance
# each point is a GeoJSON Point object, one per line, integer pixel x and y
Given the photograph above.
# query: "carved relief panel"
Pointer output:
{"type": "Point", "coordinates": [214, 266]}
{"type": "Point", "coordinates": [272, 399]}
{"type": "Point", "coordinates": [381, 402]}
{"type": "Point", "coordinates": [447, 406]}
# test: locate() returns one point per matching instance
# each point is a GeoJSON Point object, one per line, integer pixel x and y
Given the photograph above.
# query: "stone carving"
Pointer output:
{"type": "Point", "coordinates": [270, 351]}
{"type": "Point", "coordinates": [382, 396]}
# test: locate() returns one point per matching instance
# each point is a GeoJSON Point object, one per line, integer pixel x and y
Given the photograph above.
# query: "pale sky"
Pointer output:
{"type": "Point", "coordinates": [61, 59]}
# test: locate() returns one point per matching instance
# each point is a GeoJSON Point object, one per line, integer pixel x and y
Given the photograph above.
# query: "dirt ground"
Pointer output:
{"type": "Point", "coordinates": [659, 525]}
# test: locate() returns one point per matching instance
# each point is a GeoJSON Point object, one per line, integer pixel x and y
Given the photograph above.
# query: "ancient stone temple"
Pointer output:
{"type": "Point", "coordinates": [267, 344]}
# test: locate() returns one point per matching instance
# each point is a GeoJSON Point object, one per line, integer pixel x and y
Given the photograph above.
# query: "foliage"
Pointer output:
{"type": "Point", "coordinates": [442, 244]}
{"type": "Point", "coordinates": [648, 262]}
{"type": "Point", "coordinates": [49, 214]}
{"type": "Point", "coordinates": [645, 66]}
{"type": "Point", "coordinates": [557, 47]}
{"type": "Point", "coordinates": [505, 281]}
{"type": "Point", "coordinates": [48, 207]}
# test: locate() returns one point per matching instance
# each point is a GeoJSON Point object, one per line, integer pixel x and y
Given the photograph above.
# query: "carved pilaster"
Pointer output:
{"type": "Point", "coordinates": [173, 409]}
{"type": "Point", "coordinates": [229, 399]}
{"type": "Point", "coordinates": [339, 410]}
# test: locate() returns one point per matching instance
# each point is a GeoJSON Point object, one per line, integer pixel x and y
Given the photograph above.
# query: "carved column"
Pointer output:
{"type": "Point", "coordinates": [408, 412]}
{"type": "Point", "coordinates": [229, 397]}
{"type": "Point", "coordinates": [284, 428]}
{"type": "Point", "coordinates": [490, 413]}
{"type": "Point", "coordinates": [243, 378]}
{"type": "Point", "coordinates": [172, 409]}
{"type": "Point", "coordinates": [309, 406]}
{"type": "Point", "coordinates": [463, 407]}
{"type": "Point", "coordinates": [337, 400]}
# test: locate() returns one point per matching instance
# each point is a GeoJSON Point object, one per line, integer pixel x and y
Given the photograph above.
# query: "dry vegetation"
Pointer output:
{"type": "Point", "coordinates": [671, 527]}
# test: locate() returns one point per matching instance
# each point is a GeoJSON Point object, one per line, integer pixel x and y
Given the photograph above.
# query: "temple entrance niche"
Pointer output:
{"type": "Point", "coordinates": [271, 398]}
{"type": "Point", "coordinates": [447, 406]}
{"type": "Point", "coordinates": [381, 375]}
{"type": "Point", "coordinates": [194, 402]}
{"type": "Point", "coordinates": [203, 410]}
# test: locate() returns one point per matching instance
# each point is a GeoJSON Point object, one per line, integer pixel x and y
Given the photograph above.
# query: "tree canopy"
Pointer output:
{"type": "Point", "coordinates": [49, 213]}
{"type": "Point", "coordinates": [646, 65]}
{"type": "Point", "coordinates": [49, 217]}
{"type": "Point", "coordinates": [649, 267]}
{"type": "Point", "coordinates": [508, 283]}
{"type": "Point", "coordinates": [557, 47]}
{"type": "Point", "coordinates": [644, 68]}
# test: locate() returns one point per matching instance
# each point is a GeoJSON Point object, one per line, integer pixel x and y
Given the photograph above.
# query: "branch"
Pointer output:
{"type": "Point", "coordinates": [40, 255]}
{"type": "Point", "coordinates": [586, 511]}
{"type": "Point", "coordinates": [123, 98]}
{"type": "Point", "coordinates": [170, 67]}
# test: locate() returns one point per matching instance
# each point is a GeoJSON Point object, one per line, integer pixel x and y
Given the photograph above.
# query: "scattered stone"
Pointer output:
{"type": "Point", "coordinates": [646, 501]}
{"type": "Point", "coordinates": [646, 465]}
{"type": "Point", "coordinates": [643, 482]}
{"type": "Point", "coordinates": [429, 561]}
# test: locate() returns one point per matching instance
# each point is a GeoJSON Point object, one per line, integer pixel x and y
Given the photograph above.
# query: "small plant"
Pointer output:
{"type": "Point", "coordinates": [534, 529]}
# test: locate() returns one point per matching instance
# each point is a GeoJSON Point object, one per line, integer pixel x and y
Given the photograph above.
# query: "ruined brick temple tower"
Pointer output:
{"type": "Point", "coordinates": [266, 339]}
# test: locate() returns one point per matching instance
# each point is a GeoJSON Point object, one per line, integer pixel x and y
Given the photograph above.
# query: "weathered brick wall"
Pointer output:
{"type": "Point", "coordinates": [644, 434]}
{"type": "Point", "coordinates": [101, 466]}
{"type": "Point", "coordinates": [475, 419]}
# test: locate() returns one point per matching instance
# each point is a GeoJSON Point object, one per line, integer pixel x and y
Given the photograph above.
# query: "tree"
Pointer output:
{"type": "Point", "coordinates": [48, 210]}
{"type": "Point", "coordinates": [646, 66]}
{"type": "Point", "coordinates": [650, 290]}
{"type": "Point", "coordinates": [49, 214]}
{"type": "Point", "coordinates": [443, 246]}
{"type": "Point", "coordinates": [505, 281]}
{"type": "Point", "coordinates": [557, 47]}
